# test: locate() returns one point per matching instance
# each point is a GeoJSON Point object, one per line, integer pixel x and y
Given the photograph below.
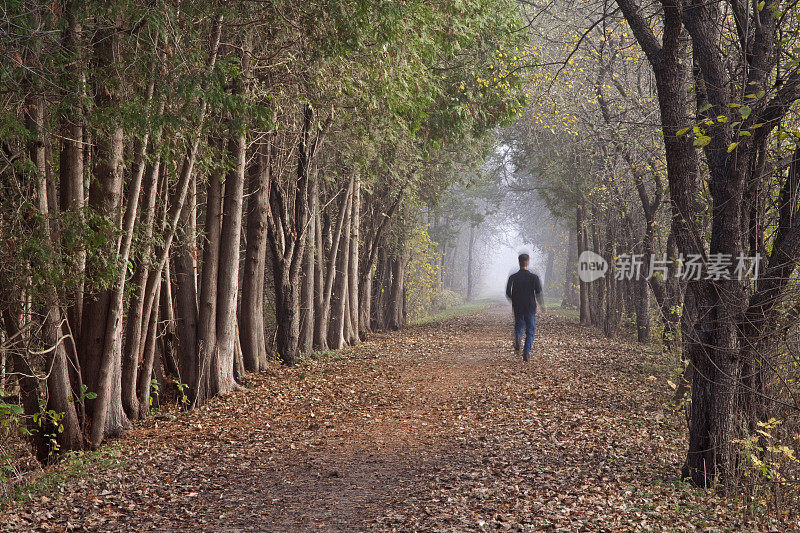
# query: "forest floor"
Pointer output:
{"type": "Point", "coordinates": [436, 427]}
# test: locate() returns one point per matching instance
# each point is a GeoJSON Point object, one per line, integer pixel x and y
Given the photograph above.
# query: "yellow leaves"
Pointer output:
{"type": "Point", "coordinates": [702, 141]}
{"type": "Point", "coordinates": [769, 424]}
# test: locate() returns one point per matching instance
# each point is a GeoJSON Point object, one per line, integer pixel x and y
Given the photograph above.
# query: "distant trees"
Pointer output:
{"type": "Point", "coordinates": [171, 172]}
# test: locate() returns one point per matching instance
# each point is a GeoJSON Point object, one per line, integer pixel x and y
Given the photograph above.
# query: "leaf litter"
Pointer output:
{"type": "Point", "coordinates": [438, 427]}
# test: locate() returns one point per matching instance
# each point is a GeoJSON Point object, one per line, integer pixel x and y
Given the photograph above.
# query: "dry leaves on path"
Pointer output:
{"type": "Point", "coordinates": [436, 427]}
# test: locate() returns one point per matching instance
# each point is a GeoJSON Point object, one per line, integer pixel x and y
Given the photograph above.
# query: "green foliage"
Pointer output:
{"type": "Point", "coordinates": [422, 274]}
{"type": "Point", "coordinates": [458, 310]}
{"type": "Point", "coordinates": [10, 415]}
{"type": "Point", "coordinates": [183, 399]}
{"type": "Point", "coordinates": [85, 394]}
{"type": "Point", "coordinates": [154, 390]}
{"type": "Point", "coordinates": [50, 426]}
{"type": "Point", "coordinates": [73, 465]}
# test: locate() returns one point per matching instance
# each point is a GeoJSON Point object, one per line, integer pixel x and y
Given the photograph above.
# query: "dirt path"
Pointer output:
{"type": "Point", "coordinates": [437, 427]}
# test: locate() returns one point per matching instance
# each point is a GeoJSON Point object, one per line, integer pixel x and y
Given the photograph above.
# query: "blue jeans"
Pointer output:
{"type": "Point", "coordinates": [525, 323]}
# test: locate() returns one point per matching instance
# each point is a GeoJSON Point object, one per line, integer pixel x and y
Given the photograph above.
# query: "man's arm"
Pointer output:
{"type": "Point", "coordinates": [509, 285]}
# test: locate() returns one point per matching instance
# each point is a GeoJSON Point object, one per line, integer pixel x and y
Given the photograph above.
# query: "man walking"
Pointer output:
{"type": "Point", "coordinates": [524, 289]}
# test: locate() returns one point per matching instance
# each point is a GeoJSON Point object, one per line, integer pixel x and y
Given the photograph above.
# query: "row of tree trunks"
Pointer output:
{"type": "Point", "coordinates": [571, 283]}
{"type": "Point", "coordinates": [160, 298]}
{"type": "Point", "coordinates": [52, 320]}
{"type": "Point", "coordinates": [71, 159]}
{"type": "Point", "coordinates": [340, 289]}
{"type": "Point", "coordinates": [97, 347]}
{"type": "Point", "coordinates": [182, 313]}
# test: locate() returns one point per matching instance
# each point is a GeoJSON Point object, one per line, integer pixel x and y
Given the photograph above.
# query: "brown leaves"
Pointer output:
{"type": "Point", "coordinates": [438, 427]}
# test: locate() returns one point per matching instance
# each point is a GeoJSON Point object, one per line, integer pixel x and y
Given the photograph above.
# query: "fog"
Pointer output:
{"type": "Point", "coordinates": [498, 259]}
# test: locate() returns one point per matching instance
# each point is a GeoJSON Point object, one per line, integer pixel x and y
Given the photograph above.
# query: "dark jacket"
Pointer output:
{"type": "Point", "coordinates": [524, 288]}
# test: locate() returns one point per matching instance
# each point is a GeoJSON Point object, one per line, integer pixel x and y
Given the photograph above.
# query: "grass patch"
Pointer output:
{"type": "Point", "coordinates": [466, 309]}
{"type": "Point", "coordinates": [563, 312]}
{"type": "Point", "coordinates": [74, 465]}
{"type": "Point", "coordinates": [554, 308]}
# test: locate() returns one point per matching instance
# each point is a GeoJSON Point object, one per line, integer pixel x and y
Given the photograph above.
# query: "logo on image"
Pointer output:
{"type": "Point", "coordinates": [591, 266]}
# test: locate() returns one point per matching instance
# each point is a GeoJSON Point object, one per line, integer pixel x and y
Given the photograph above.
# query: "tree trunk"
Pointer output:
{"type": "Point", "coordinates": [251, 321]}
{"type": "Point", "coordinates": [470, 266]}
{"type": "Point", "coordinates": [570, 295]}
{"type": "Point", "coordinates": [613, 290]}
{"type": "Point", "coordinates": [207, 309]}
{"type": "Point", "coordinates": [548, 271]}
{"type": "Point", "coordinates": [323, 321]}
{"type": "Point", "coordinates": [320, 320]}
{"type": "Point", "coordinates": [307, 296]}
{"type": "Point", "coordinates": [27, 380]}
{"type": "Point", "coordinates": [287, 236]}
{"type": "Point", "coordinates": [287, 314]}
{"type": "Point", "coordinates": [597, 293]}
{"type": "Point", "coordinates": [144, 383]}
{"type": "Point", "coordinates": [336, 336]}
{"type": "Point", "coordinates": [221, 375]}
{"type": "Point", "coordinates": [585, 313]}
{"type": "Point", "coordinates": [642, 309]}
{"type": "Point", "coordinates": [396, 318]}
{"type": "Point", "coordinates": [185, 268]}
{"type": "Point", "coordinates": [238, 360]}
{"type": "Point", "coordinates": [71, 164]}
{"type": "Point", "coordinates": [383, 281]}
{"type": "Point", "coordinates": [365, 304]}
{"type": "Point", "coordinates": [100, 359]}
{"type": "Point", "coordinates": [353, 300]}
{"type": "Point", "coordinates": [129, 361]}
{"type": "Point", "coordinates": [52, 339]}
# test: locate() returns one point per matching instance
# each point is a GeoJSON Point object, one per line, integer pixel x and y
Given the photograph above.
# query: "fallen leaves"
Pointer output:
{"type": "Point", "coordinates": [382, 437]}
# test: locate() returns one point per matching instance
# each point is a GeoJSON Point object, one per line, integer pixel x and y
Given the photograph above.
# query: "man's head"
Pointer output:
{"type": "Point", "coordinates": [524, 260]}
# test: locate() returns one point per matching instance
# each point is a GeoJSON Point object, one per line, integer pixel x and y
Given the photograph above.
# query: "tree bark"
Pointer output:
{"type": "Point", "coordinates": [71, 164]}
{"type": "Point", "coordinates": [320, 320]}
{"type": "Point", "coordinates": [144, 382]}
{"type": "Point", "coordinates": [585, 312]}
{"type": "Point", "coordinates": [336, 336]}
{"type": "Point", "coordinates": [185, 270]}
{"type": "Point", "coordinates": [323, 320]}
{"type": "Point", "coordinates": [207, 310]}
{"type": "Point", "coordinates": [570, 295]}
{"type": "Point", "coordinates": [286, 228]}
{"type": "Point", "coordinates": [353, 301]}
{"type": "Point", "coordinates": [221, 379]}
{"type": "Point", "coordinates": [307, 311]}
{"type": "Point", "coordinates": [52, 338]}
{"type": "Point", "coordinates": [396, 318]}
{"type": "Point", "coordinates": [100, 358]}
{"type": "Point", "coordinates": [251, 321]}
